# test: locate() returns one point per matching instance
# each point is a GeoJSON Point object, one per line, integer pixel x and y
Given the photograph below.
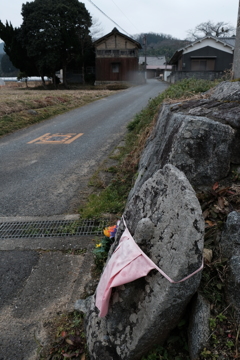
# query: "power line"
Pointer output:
{"type": "Point", "coordinates": [125, 15]}
{"type": "Point", "coordinates": [108, 17]}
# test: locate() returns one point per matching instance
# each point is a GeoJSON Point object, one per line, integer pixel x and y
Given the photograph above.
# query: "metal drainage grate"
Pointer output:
{"type": "Point", "coordinates": [56, 228]}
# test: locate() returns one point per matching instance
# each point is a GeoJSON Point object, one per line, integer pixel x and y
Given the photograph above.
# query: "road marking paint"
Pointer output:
{"type": "Point", "coordinates": [30, 142]}
{"type": "Point", "coordinates": [56, 138]}
{"type": "Point", "coordinates": [74, 138]}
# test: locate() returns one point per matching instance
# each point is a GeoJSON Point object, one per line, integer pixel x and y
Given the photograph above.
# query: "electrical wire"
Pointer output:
{"type": "Point", "coordinates": [125, 16]}
{"type": "Point", "coordinates": [109, 17]}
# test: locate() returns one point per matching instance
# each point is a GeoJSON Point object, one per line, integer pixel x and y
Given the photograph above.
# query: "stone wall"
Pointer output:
{"type": "Point", "coordinates": [206, 75]}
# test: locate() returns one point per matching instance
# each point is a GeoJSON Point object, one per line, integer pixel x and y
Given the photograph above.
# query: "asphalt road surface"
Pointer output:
{"type": "Point", "coordinates": [44, 168]}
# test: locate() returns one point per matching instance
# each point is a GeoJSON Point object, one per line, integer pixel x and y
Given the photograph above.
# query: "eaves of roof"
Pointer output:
{"type": "Point", "coordinates": [116, 32]}
{"type": "Point", "coordinates": [179, 52]}
{"type": "Point", "coordinates": [175, 56]}
{"type": "Point", "coordinates": [217, 39]}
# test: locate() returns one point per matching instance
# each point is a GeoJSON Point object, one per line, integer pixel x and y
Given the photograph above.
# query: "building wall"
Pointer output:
{"type": "Point", "coordinates": [223, 60]}
{"type": "Point", "coordinates": [128, 67]}
{"type": "Point", "coordinates": [116, 42]}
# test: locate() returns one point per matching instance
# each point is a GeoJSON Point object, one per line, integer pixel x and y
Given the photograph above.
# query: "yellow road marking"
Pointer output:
{"type": "Point", "coordinates": [40, 138]}
{"type": "Point", "coordinates": [56, 138]}
{"type": "Point", "coordinates": [74, 138]}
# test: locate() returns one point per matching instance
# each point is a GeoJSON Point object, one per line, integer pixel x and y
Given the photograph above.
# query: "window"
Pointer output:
{"type": "Point", "coordinates": [100, 52]}
{"type": "Point", "coordinates": [202, 64]}
{"type": "Point", "coordinates": [115, 67]}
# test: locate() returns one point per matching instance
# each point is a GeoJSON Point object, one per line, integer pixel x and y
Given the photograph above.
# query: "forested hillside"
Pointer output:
{"type": "Point", "coordinates": [1, 48]}
{"type": "Point", "coordinates": [160, 44]}
{"type": "Point", "coordinates": [6, 67]}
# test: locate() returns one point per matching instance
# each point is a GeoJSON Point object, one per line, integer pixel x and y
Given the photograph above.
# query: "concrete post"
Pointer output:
{"type": "Point", "coordinates": [236, 58]}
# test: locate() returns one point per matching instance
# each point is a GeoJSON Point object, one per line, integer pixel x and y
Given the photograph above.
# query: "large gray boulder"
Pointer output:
{"type": "Point", "coordinates": [198, 146]}
{"type": "Point", "coordinates": [165, 219]}
{"type": "Point", "coordinates": [226, 91]}
{"type": "Point", "coordinates": [222, 105]}
{"type": "Point", "coordinates": [201, 137]}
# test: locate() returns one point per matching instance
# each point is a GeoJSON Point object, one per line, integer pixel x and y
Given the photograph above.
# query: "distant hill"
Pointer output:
{"type": "Point", "coordinates": [159, 44]}
{"type": "Point", "coordinates": [1, 48]}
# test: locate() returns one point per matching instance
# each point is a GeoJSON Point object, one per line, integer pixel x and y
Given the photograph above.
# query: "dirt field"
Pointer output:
{"type": "Point", "coordinates": [21, 106]}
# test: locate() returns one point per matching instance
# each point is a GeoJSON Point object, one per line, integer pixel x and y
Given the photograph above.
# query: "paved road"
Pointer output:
{"type": "Point", "coordinates": [43, 168]}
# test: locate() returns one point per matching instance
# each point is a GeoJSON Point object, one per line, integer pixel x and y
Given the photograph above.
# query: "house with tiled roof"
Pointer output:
{"type": "Point", "coordinates": [206, 58]}
{"type": "Point", "coordinates": [116, 58]}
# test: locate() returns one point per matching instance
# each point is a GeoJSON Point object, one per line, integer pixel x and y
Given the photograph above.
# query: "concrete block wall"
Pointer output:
{"type": "Point", "coordinates": [206, 75]}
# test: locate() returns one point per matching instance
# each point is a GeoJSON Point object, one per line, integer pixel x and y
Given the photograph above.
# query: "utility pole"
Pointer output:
{"type": "Point", "coordinates": [145, 54]}
{"type": "Point", "coordinates": [236, 57]}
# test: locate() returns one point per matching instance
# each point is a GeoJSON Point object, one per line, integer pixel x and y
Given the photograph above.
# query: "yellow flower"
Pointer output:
{"type": "Point", "coordinates": [98, 245]}
{"type": "Point", "coordinates": [106, 232]}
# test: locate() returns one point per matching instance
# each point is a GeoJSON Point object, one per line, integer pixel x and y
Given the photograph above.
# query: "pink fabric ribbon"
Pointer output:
{"type": "Point", "coordinates": [127, 263]}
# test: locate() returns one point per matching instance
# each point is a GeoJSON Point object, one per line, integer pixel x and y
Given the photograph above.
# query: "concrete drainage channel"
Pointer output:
{"type": "Point", "coordinates": [50, 228]}
{"type": "Point", "coordinates": [41, 275]}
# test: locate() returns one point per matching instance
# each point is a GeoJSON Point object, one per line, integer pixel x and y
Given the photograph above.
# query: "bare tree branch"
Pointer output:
{"type": "Point", "coordinates": [219, 29]}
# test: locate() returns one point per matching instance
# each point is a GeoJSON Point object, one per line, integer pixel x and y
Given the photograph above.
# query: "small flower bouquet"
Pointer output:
{"type": "Point", "coordinates": [102, 247]}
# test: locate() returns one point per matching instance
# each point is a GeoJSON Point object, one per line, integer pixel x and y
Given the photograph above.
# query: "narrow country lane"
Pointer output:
{"type": "Point", "coordinates": [43, 168]}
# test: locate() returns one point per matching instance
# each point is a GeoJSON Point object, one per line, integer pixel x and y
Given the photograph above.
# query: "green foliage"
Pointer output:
{"type": "Point", "coordinates": [51, 34]}
{"type": "Point", "coordinates": [160, 44]}
{"type": "Point", "coordinates": [188, 87]}
{"type": "Point", "coordinates": [15, 50]}
{"type": "Point", "coordinates": [1, 48]}
{"type": "Point", "coordinates": [111, 200]}
{"type": "Point", "coordinates": [101, 251]}
{"type": "Point", "coordinates": [145, 117]}
{"type": "Point", "coordinates": [8, 69]}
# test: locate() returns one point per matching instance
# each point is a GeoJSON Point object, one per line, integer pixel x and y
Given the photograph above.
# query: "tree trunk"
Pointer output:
{"type": "Point", "coordinates": [236, 57]}
{"type": "Point", "coordinates": [83, 74]}
{"type": "Point", "coordinates": [43, 81]}
{"type": "Point", "coordinates": [65, 76]}
{"type": "Point", "coordinates": [54, 80]}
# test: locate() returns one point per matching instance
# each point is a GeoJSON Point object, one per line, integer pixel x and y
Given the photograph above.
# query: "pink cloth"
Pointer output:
{"type": "Point", "coordinates": [127, 263]}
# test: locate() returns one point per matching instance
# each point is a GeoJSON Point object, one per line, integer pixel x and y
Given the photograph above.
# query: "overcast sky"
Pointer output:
{"type": "Point", "coordinates": [173, 17]}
